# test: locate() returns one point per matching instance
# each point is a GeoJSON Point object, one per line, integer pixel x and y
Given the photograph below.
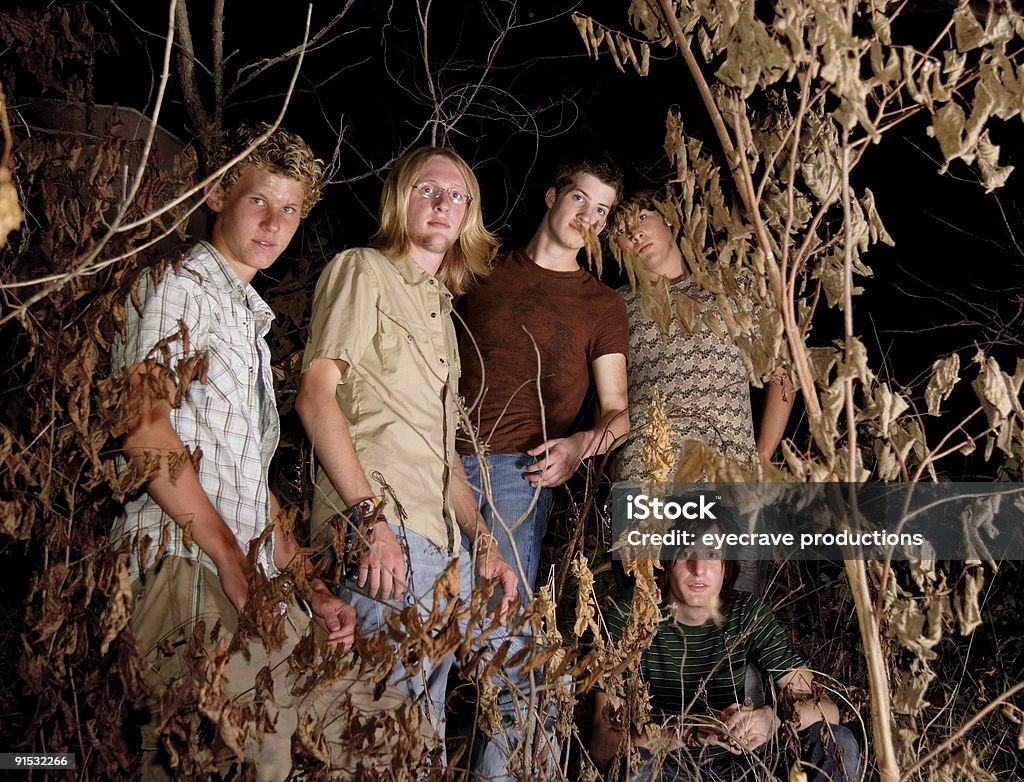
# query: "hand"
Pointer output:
{"type": "Point", "coordinates": [382, 570]}
{"type": "Point", "coordinates": [490, 565]}
{"type": "Point", "coordinates": [334, 615]}
{"type": "Point", "coordinates": [557, 460]}
{"type": "Point", "coordinates": [744, 729]}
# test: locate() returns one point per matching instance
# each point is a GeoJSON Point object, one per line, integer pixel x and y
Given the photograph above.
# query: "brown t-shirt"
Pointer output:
{"type": "Point", "coordinates": [572, 319]}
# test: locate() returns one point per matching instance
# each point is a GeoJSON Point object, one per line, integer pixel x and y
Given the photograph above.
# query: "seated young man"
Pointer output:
{"type": "Point", "coordinates": [695, 669]}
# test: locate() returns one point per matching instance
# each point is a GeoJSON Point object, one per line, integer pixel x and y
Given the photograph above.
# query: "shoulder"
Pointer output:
{"type": "Point", "coordinates": [363, 265]}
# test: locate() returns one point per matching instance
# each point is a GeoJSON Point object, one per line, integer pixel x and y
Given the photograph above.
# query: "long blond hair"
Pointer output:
{"type": "Point", "coordinates": [470, 257]}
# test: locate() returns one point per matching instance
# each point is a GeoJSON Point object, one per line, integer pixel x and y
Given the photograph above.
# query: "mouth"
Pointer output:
{"type": "Point", "coordinates": [644, 248]}
{"type": "Point", "coordinates": [439, 224]}
{"type": "Point", "coordinates": [265, 244]}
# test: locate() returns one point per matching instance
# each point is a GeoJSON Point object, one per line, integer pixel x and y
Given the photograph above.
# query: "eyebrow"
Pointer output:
{"type": "Point", "coordinates": [435, 182]}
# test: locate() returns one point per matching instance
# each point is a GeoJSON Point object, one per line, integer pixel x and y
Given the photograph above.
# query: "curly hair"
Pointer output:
{"type": "Point", "coordinates": [470, 256]}
{"type": "Point", "coordinates": [601, 166]}
{"type": "Point", "coordinates": [281, 153]}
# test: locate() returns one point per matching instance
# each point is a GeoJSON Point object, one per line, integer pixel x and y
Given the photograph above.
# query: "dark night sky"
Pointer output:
{"type": "Point", "coordinates": [949, 235]}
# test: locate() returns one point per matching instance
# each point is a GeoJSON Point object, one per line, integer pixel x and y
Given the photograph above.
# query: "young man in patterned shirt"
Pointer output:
{"type": "Point", "coordinates": [204, 541]}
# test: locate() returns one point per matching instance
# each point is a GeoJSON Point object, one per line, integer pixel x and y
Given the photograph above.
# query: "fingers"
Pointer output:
{"type": "Point", "coordinates": [510, 593]}
{"type": "Point", "coordinates": [382, 571]}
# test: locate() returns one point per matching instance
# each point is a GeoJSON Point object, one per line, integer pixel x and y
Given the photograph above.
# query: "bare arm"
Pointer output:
{"type": "Point", "coordinates": [382, 570]}
{"type": "Point", "coordinates": [561, 457]}
{"type": "Point", "coordinates": [181, 497]}
{"type": "Point", "coordinates": [779, 398]}
{"type": "Point", "coordinates": [335, 616]}
{"type": "Point", "coordinates": [490, 564]}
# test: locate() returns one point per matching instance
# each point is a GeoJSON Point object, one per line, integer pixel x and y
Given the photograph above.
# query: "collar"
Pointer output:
{"type": "Point", "coordinates": [219, 273]}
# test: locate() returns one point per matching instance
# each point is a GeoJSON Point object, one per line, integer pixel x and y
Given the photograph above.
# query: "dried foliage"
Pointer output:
{"type": "Point", "coordinates": [770, 223]}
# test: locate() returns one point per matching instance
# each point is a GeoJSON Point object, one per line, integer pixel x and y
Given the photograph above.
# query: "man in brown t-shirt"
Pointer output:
{"type": "Point", "coordinates": [537, 332]}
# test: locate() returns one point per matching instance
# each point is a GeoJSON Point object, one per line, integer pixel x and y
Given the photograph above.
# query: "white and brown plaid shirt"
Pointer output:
{"type": "Point", "coordinates": [232, 418]}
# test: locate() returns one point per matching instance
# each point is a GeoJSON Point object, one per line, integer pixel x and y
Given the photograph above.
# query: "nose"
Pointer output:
{"type": "Point", "coordinates": [443, 201]}
{"type": "Point", "coordinates": [271, 222]}
{"type": "Point", "coordinates": [698, 566]}
{"type": "Point", "coordinates": [637, 236]}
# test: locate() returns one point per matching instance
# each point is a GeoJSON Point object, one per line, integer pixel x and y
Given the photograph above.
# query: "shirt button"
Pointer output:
{"type": "Point", "coordinates": [442, 361]}
{"type": "Point", "coordinates": [433, 282]}
{"type": "Point", "coordinates": [433, 314]}
{"type": "Point", "coordinates": [409, 337]}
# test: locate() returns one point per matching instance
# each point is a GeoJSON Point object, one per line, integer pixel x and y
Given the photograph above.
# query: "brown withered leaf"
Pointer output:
{"type": "Point", "coordinates": [945, 375]}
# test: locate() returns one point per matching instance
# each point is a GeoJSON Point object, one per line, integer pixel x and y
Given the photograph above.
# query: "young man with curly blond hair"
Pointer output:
{"type": "Point", "coordinates": [207, 553]}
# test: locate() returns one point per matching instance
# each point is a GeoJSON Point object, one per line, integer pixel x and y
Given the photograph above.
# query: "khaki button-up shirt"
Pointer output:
{"type": "Point", "coordinates": [391, 323]}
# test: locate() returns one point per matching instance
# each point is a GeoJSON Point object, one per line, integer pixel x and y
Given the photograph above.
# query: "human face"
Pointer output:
{"type": "Point", "coordinates": [695, 581]}
{"type": "Point", "coordinates": [434, 225]}
{"type": "Point", "coordinates": [256, 219]}
{"type": "Point", "coordinates": [586, 202]}
{"type": "Point", "coordinates": [649, 237]}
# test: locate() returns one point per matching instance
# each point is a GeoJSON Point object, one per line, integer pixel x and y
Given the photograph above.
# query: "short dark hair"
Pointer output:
{"type": "Point", "coordinates": [725, 522]}
{"type": "Point", "coordinates": [600, 165]}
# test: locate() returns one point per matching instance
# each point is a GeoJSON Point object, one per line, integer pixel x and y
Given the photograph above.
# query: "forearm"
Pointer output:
{"type": "Point", "coordinates": [467, 513]}
{"type": "Point", "coordinates": [779, 399]}
{"type": "Point", "coordinates": [609, 430]}
{"type": "Point", "coordinates": [182, 496]}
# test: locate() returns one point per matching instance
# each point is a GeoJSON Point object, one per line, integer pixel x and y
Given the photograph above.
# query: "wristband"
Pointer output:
{"type": "Point", "coordinates": [691, 737]}
{"type": "Point", "coordinates": [370, 508]}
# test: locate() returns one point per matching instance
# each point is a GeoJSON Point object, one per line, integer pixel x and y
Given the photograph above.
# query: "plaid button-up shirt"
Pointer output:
{"type": "Point", "coordinates": [232, 417]}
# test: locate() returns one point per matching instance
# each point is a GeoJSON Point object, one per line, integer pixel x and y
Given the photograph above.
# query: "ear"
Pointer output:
{"type": "Point", "coordinates": [550, 196]}
{"type": "Point", "coordinates": [215, 197]}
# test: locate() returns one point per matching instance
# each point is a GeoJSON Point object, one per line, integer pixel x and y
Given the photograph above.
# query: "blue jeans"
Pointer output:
{"type": "Point", "coordinates": [832, 755]}
{"type": "Point", "coordinates": [515, 512]}
{"type": "Point", "coordinates": [516, 693]}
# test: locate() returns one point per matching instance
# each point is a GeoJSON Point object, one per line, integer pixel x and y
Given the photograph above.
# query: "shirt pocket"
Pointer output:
{"type": "Point", "coordinates": [404, 345]}
{"type": "Point", "coordinates": [233, 358]}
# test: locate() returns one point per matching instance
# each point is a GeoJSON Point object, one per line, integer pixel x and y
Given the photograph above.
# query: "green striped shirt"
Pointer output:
{"type": "Point", "coordinates": [701, 670]}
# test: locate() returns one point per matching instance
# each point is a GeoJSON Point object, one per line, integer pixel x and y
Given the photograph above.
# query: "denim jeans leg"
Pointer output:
{"type": "Point", "coordinates": [517, 514]}
{"type": "Point", "coordinates": [427, 562]}
{"type": "Point", "coordinates": [834, 756]}
{"type": "Point", "coordinates": [527, 726]}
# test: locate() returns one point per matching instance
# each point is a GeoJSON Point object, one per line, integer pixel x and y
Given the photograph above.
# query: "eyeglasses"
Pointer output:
{"type": "Point", "coordinates": [433, 192]}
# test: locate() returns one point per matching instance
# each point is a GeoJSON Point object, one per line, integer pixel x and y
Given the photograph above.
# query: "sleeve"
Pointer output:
{"type": "Point", "coordinates": [344, 319]}
{"type": "Point", "coordinates": [169, 327]}
{"type": "Point", "coordinates": [770, 649]}
{"type": "Point", "coordinates": [612, 332]}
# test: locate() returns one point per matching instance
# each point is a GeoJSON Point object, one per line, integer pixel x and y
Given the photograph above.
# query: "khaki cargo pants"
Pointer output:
{"type": "Point", "coordinates": [170, 601]}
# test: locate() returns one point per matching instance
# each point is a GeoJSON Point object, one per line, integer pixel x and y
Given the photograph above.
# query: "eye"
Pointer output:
{"type": "Point", "coordinates": [712, 555]}
{"type": "Point", "coordinates": [577, 198]}
{"type": "Point", "coordinates": [620, 231]}
{"type": "Point", "coordinates": [642, 217]}
{"type": "Point", "coordinates": [687, 554]}
{"type": "Point", "coordinates": [428, 190]}
{"type": "Point", "coordinates": [289, 210]}
{"type": "Point", "coordinates": [457, 196]}
{"type": "Point", "coordinates": [601, 211]}
{"type": "Point", "coordinates": [257, 201]}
